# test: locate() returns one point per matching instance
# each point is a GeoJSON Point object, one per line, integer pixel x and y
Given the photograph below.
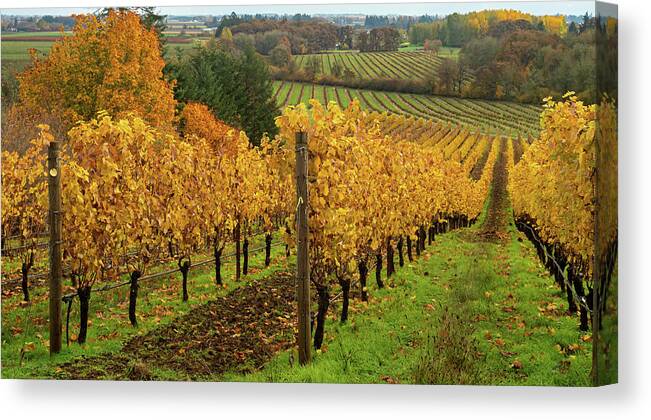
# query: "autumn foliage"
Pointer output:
{"type": "Point", "coordinates": [556, 172]}
{"type": "Point", "coordinates": [113, 64]}
{"type": "Point", "coordinates": [198, 120]}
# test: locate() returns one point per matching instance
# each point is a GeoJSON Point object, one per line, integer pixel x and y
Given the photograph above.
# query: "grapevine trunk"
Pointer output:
{"type": "Point", "coordinates": [378, 270]}
{"type": "Point", "coordinates": [363, 273]}
{"type": "Point", "coordinates": [133, 296]}
{"type": "Point", "coordinates": [84, 301]}
{"type": "Point", "coordinates": [267, 249]}
{"type": "Point", "coordinates": [324, 302]}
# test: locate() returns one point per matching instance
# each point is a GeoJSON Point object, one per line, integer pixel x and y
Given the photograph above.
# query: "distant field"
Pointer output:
{"type": "Point", "coordinates": [373, 65]}
{"type": "Point", "coordinates": [19, 50]}
{"type": "Point", "coordinates": [449, 52]}
{"type": "Point", "coordinates": [488, 116]}
{"type": "Point", "coordinates": [16, 45]}
{"type": "Point", "coordinates": [51, 34]}
{"type": "Point", "coordinates": [444, 52]}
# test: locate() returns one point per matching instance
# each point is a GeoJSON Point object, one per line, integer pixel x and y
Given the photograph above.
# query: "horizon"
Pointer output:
{"type": "Point", "coordinates": [537, 8]}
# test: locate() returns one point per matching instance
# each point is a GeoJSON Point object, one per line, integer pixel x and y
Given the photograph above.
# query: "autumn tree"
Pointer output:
{"type": "Point", "coordinates": [432, 45]}
{"type": "Point", "coordinates": [557, 171]}
{"type": "Point", "coordinates": [448, 74]}
{"type": "Point", "coordinates": [24, 201]}
{"type": "Point", "coordinates": [108, 209]}
{"type": "Point", "coordinates": [281, 55]}
{"type": "Point", "coordinates": [198, 122]}
{"type": "Point", "coordinates": [112, 64]}
{"type": "Point", "coordinates": [148, 16]}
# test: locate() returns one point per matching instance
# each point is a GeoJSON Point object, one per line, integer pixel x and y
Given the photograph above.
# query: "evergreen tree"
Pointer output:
{"type": "Point", "coordinates": [235, 85]}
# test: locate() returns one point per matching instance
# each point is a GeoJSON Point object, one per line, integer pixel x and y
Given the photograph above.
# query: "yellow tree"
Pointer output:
{"type": "Point", "coordinates": [332, 140]}
{"type": "Point", "coordinates": [277, 187]}
{"type": "Point", "coordinates": [103, 203]}
{"type": "Point", "coordinates": [113, 64]}
{"type": "Point", "coordinates": [556, 172]}
{"type": "Point", "coordinates": [24, 200]}
{"type": "Point", "coordinates": [198, 122]}
{"type": "Point", "coordinates": [247, 179]}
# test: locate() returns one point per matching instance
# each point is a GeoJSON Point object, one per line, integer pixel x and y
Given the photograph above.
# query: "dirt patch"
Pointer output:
{"type": "Point", "coordinates": [518, 150]}
{"type": "Point", "coordinates": [478, 169]}
{"type": "Point", "coordinates": [240, 331]}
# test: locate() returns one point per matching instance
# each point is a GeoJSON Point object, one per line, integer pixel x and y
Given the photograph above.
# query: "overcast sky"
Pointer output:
{"type": "Point", "coordinates": [533, 7]}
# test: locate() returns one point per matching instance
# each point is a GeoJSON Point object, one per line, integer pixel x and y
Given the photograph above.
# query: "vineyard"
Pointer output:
{"type": "Point", "coordinates": [408, 65]}
{"type": "Point", "coordinates": [451, 171]}
{"type": "Point", "coordinates": [372, 237]}
{"type": "Point", "coordinates": [488, 116]}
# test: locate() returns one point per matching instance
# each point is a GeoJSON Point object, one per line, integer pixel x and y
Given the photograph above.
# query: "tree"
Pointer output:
{"type": "Point", "coordinates": [349, 74]}
{"type": "Point", "coordinates": [113, 64]}
{"type": "Point", "coordinates": [480, 52]}
{"type": "Point", "coordinates": [573, 29]}
{"type": "Point", "coordinates": [505, 27]}
{"type": "Point", "coordinates": [280, 56]}
{"type": "Point", "coordinates": [345, 37]}
{"type": "Point", "coordinates": [226, 35]}
{"type": "Point", "coordinates": [362, 41]}
{"type": "Point", "coordinates": [313, 66]}
{"type": "Point", "coordinates": [380, 39]}
{"type": "Point", "coordinates": [235, 85]}
{"type": "Point", "coordinates": [448, 74]}
{"type": "Point", "coordinates": [336, 69]}
{"type": "Point", "coordinates": [432, 46]}
{"type": "Point", "coordinates": [148, 16]}
{"type": "Point", "coordinates": [24, 200]}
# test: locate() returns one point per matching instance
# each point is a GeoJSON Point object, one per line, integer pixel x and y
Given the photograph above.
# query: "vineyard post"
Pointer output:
{"type": "Point", "coordinates": [302, 246]}
{"type": "Point", "coordinates": [55, 222]}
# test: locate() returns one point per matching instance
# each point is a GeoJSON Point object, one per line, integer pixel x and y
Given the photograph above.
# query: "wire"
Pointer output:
{"type": "Point", "coordinates": [166, 272]}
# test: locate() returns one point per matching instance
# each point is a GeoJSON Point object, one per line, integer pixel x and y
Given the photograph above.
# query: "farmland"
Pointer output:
{"type": "Point", "coordinates": [15, 46]}
{"type": "Point", "coordinates": [488, 116]}
{"type": "Point", "coordinates": [373, 65]}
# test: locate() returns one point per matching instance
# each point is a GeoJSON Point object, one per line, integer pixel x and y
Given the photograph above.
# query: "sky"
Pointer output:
{"type": "Point", "coordinates": [577, 7]}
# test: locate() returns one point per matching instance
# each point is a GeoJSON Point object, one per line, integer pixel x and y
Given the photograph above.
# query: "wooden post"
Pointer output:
{"type": "Point", "coordinates": [55, 256]}
{"type": "Point", "coordinates": [302, 247]}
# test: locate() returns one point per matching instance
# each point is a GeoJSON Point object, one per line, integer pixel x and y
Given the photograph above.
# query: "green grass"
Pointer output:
{"type": "Point", "coordinates": [390, 339]}
{"type": "Point", "coordinates": [19, 50]}
{"type": "Point", "coordinates": [449, 52]}
{"type": "Point", "coordinates": [53, 34]}
{"type": "Point", "coordinates": [159, 301]}
{"type": "Point", "coordinates": [411, 47]}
